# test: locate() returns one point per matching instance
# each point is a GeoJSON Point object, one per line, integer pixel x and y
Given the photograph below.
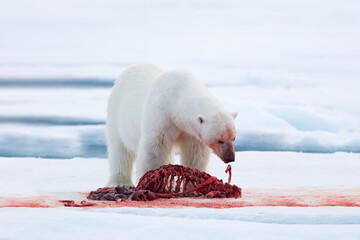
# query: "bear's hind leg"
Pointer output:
{"type": "Point", "coordinates": [120, 164]}
{"type": "Point", "coordinates": [194, 153]}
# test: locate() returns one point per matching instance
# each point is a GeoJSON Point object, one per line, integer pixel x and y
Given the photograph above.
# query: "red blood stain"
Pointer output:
{"type": "Point", "coordinates": [71, 203]}
{"type": "Point", "coordinates": [29, 202]}
{"type": "Point", "coordinates": [295, 197]}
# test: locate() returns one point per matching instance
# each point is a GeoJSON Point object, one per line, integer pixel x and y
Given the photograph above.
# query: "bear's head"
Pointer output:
{"type": "Point", "coordinates": [219, 133]}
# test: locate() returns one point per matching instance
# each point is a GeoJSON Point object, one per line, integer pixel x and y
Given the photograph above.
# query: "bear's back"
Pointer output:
{"type": "Point", "coordinates": [139, 76]}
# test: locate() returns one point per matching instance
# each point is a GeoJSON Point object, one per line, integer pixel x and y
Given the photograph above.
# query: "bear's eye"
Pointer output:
{"type": "Point", "coordinates": [221, 142]}
{"type": "Point", "coordinates": [233, 139]}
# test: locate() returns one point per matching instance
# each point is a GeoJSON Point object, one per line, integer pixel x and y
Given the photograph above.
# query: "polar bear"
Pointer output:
{"type": "Point", "coordinates": [152, 110]}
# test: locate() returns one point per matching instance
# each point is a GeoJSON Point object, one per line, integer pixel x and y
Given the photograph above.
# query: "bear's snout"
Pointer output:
{"type": "Point", "coordinates": [226, 152]}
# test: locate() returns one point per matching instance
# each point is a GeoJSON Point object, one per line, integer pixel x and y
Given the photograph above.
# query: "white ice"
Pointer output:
{"type": "Point", "coordinates": [269, 119]}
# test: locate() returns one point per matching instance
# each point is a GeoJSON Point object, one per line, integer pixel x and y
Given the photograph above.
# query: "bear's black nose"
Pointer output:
{"type": "Point", "coordinates": [230, 160]}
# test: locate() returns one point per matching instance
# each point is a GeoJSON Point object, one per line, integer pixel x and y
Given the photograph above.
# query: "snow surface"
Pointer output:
{"type": "Point", "coordinates": [64, 179]}
{"type": "Point", "coordinates": [250, 170]}
{"type": "Point", "coordinates": [129, 223]}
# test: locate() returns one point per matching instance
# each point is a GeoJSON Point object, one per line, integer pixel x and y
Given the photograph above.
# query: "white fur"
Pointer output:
{"type": "Point", "coordinates": [152, 110]}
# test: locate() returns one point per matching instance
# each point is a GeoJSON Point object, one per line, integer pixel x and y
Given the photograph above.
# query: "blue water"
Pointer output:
{"type": "Point", "coordinates": [56, 83]}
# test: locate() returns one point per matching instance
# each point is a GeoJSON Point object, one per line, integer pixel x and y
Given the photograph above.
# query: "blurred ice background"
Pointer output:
{"type": "Point", "coordinates": [290, 68]}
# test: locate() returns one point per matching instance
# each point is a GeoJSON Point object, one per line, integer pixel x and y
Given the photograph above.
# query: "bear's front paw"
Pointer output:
{"type": "Point", "coordinates": [119, 184]}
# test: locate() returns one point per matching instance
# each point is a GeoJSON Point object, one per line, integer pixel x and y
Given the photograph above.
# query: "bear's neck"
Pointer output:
{"type": "Point", "coordinates": [188, 110]}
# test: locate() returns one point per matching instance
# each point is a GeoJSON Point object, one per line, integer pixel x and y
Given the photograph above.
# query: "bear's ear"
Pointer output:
{"type": "Point", "coordinates": [234, 114]}
{"type": "Point", "coordinates": [201, 119]}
